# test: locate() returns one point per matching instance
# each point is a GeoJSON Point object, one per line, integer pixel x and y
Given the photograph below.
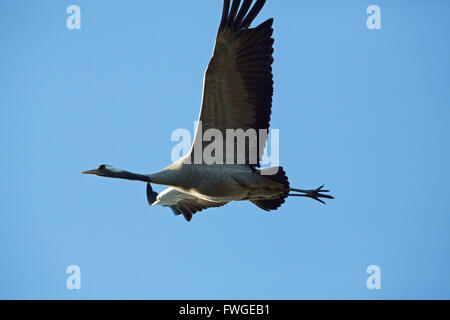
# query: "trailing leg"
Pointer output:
{"type": "Point", "coordinates": [315, 194]}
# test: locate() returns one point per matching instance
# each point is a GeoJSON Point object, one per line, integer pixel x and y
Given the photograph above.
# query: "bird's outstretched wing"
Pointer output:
{"type": "Point", "coordinates": [238, 83]}
{"type": "Point", "coordinates": [179, 202]}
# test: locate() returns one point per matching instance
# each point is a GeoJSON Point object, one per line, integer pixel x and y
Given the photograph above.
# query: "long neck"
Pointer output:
{"type": "Point", "coordinates": [165, 177]}
{"type": "Point", "coordinates": [122, 174]}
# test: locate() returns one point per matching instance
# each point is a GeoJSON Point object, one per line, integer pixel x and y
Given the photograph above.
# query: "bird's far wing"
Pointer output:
{"type": "Point", "coordinates": [238, 85]}
{"type": "Point", "coordinates": [184, 203]}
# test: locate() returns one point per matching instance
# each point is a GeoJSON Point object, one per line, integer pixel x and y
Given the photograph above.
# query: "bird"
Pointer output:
{"type": "Point", "coordinates": [237, 94]}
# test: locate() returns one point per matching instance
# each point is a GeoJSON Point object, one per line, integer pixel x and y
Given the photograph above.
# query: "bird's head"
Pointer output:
{"type": "Point", "coordinates": [104, 170]}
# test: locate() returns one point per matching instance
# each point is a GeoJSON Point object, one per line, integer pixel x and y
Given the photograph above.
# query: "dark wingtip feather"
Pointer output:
{"type": "Point", "coordinates": [187, 216]}
{"type": "Point", "coordinates": [253, 13]}
{"type": "Point", "coordinates": [151, 195]}
{"type": "Point", "coordinates": [244, 9]}
{"type": "Point", "coordinates": [239, 19]}
{"type": "Point", "coordinates": [226, 9]}
{"type": "Point", "coordinates": [233, 11]}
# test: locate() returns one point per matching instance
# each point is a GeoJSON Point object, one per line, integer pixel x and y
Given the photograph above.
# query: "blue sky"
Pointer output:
{"type": "Point", "coordinates": [365, 112]}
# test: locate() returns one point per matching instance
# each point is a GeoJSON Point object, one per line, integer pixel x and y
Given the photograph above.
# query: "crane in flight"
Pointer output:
{"type": "Point", "coordinates": [237, 95]}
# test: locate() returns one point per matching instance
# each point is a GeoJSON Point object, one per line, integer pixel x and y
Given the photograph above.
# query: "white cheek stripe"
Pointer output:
{"type": "Point", "coordinates": [113, 169]}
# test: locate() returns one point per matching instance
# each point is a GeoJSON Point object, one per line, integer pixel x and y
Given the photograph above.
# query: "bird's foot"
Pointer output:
{"type": "Point", "coordinates": [316, 194]}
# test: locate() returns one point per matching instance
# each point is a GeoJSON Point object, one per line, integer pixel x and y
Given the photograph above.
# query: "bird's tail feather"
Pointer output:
{"type": "Point", "coordinates": [280, 177]}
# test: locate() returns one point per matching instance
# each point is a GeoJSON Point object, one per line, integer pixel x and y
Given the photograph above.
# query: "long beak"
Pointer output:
{"type": "Point", "coordinates": [93, 171]}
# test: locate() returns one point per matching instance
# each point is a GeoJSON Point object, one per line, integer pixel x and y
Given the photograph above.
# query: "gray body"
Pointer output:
{"type": "Point", "coordinates": [218, 182]}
